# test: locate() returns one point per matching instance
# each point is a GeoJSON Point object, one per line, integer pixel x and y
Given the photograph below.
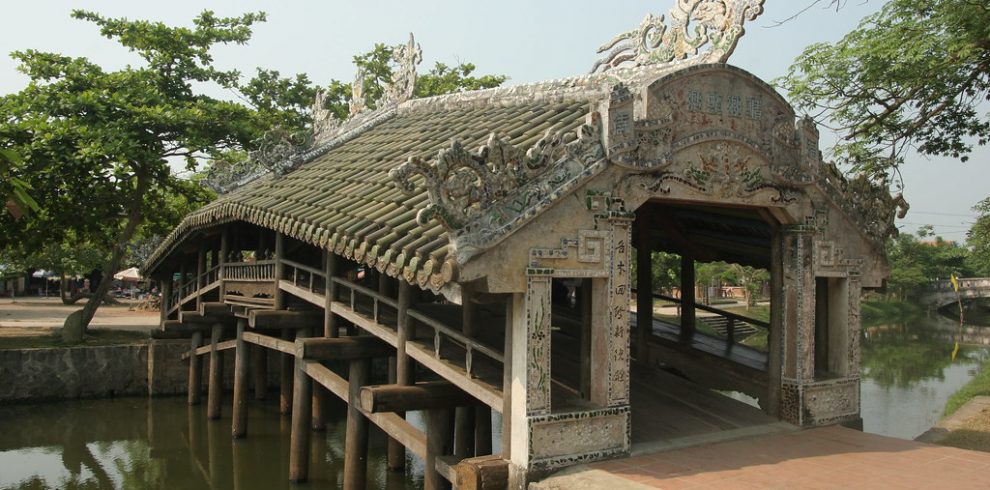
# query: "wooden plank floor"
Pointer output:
{"type": "Point", "coordinates": [666, 406]}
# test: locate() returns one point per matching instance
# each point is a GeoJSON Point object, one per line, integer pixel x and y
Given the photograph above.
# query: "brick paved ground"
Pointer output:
{"type": "Point", "coordinates": [826, 458]}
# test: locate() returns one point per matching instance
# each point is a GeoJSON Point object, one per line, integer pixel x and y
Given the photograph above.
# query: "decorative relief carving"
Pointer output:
{"type": "Point", "coordinates": [480, 195]}
{"type": "Point", "coordinates": [280, 150]}
{"type": "Point", "coordinates": [357, 103]}
{"type": "Point", "coordinates": [538, 344]}
{"type": "Point", "coordinates": [618, 312]}
{"type": "Point", "coordinates": [588, 248]}
{"type": "Point", "coordinates": [693, 25]}
{"type": "Point", "coordinates": [404, 79]}
{"type": "Point", "coordinates": [325, 123]}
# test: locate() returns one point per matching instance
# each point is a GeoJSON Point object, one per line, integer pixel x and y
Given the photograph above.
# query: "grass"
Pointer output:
{"type": "Point", "coordinates": [93, 338]}
{"type": "Point", "coordinates": [978, 386]}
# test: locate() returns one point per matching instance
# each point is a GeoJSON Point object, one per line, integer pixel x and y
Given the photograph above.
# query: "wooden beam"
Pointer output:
{"type": "Point", "coordinates": [272, 343]}
{"type": "Point", "coordinates": [206, 349]}
{"type": "Point", "coordinates": [284, 319]}
{"type": "Point", "coordinates": [393, 425]}
{"type": "Point", "coordinates": [179, 328]}
{"type": "Point", "coordinates": [482, 473]}
{"type": "Point", "coordinates": [420, 396]}
{"type": "Point", "coordinates": [215, 309]}
{"type": "Point", "coordinates": [197, 318]}
{"type": "Point", "coordinates": [342, 348]}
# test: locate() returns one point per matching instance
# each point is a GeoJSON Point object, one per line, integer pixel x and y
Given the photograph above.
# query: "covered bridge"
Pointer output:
{"type": "Point", "coordinates": [484, 243]}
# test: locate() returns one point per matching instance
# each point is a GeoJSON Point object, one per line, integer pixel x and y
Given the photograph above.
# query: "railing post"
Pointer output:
{"type": "Point", "coordinates": [279, 269]}
{"type": "Point", "coordinates": [166, 302]}
{"type": "Point", "coordinates": [730, 332]}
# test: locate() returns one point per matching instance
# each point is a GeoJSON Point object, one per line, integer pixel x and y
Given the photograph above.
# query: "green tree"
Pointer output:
{"type": "Point", "coordinates": [910, 76]}
{"type": "Point", "coordinates": [915, 263]}
{"type": "Point", "coordinates": [978, 238]}
{"type": "Point", "coordinates": [97, 143]}
{"type": "Point", "coordinates": [14, 190]}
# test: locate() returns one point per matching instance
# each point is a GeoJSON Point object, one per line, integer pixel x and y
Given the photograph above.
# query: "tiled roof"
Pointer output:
{"type": "Point", "coordinates": [344, 200]}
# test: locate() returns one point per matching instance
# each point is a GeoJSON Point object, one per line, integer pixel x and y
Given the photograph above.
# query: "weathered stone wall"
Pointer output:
{"type": "Point", "coordinates": [92, 372]}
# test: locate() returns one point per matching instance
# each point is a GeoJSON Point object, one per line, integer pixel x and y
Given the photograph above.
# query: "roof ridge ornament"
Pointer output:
{"type": "Point", "coordinates": [693, 24]}
{"type": "Point", "coordinates": [404, 80]}
{"type": "Point", "coordinates": [487, 191]}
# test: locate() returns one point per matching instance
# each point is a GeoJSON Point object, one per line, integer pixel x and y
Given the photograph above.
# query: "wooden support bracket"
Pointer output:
{"type": "Point", "coordinates": [284, 319]}
{"type": "Point", "coordinates": [482, 473]}
{"type": "Point", "coordinates": [342, 348]}
{"type": "Point", "coordinates": [420, 396]}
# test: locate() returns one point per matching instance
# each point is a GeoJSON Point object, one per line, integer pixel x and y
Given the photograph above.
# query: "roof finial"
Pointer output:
{"type": "Point", "coordinates": [693, 24]}
{"type": "Point", "coordinates": [404, 79]}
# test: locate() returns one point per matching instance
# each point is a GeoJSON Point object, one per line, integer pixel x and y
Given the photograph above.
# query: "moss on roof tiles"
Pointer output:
{"type": "Point", "coordinates": [344, 200]}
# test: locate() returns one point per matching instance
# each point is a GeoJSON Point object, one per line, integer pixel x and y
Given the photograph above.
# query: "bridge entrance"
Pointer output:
{"type": "Point", "coordinates": [691, 334]}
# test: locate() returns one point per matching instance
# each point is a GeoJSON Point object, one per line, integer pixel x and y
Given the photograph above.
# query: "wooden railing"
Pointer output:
{"type": "Point", "coordinates": [304, 277]}
{"type": "Point", "coordinates": [262, 270]}
{"type": "Point", "coordinates": [732, 318]}
{"type": "Point", "coordinates": [376, 299]}
{"type": "Point", "coordinates": [469, 345]}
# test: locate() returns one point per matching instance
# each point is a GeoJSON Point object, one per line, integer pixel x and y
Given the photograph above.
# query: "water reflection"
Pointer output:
{"type": "Point", "coordinates": [908, 373]}
{"type": "Point", "coordinates": [164, 444]}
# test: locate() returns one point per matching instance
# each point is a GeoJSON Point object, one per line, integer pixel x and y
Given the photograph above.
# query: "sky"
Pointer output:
{"type": "Point", "coordinates": [528, 40]}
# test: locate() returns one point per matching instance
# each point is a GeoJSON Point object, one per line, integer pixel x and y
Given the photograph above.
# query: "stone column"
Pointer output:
{"type": "Point", "coordinates": [798, 310]}
{"type": "Point", "coordinates": [610, 334]}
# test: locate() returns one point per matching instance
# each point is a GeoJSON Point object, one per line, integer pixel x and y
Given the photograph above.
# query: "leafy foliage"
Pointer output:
{"type": "Point", "coordinates": [910, 76]}
{"type": "Point", "coordinates": [978, 238]}
{"type": "Point", "coordinates": [915, 263]}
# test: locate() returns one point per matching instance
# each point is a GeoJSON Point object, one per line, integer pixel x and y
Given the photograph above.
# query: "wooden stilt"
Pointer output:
{"type": "Point", "coordinates": [464, 432]}
{"type": "Point", "coordinates": [285, 384]}
{"type": "Point", "coordinates": [194, 387]}
{"type": "Point", "coordinates": [396, 452]}
{"type": "Point", "coordinates": [241, 362]}
{"type": "Point", "coordinates": [301, 420]}
{"type": "Point", "coordinates": [356, 437]}
{"type": "Point", "coordinates": [438, 444]}
{"type": "Point", "coordinates": [215, 394]}
{"type": "Point", "coordinates": [482, 431]}
{"type": "Point", "coordinates": [259, 368]}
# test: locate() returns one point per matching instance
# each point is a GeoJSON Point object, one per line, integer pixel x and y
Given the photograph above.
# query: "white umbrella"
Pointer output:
{"type": "Point", "coordinates": [131, 274]}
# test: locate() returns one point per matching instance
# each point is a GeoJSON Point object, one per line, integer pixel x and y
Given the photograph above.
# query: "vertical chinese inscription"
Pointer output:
{"type": "Point", "coordinates": [538, 344]}
{"type": "Point", "coordinates": [618, 321]}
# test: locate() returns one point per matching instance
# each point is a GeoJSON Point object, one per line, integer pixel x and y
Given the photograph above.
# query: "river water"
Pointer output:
{"type": "Point", "coordinates": [137, 443]}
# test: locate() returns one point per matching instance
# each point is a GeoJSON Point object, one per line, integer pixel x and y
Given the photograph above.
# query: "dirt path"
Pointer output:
{"type": "Point", "coordinates": [39, 316]}
{"type": "Point", "coordinates": [968, 428]}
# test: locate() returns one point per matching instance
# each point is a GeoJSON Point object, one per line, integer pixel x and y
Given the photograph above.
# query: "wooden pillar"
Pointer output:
{"type": "Point", "coordinates": [224, 252]}
{"type": "Point", "coordinates": [301, 419]}
{"type": "Point", "coordinates": [331, 326]}
{"type": "Point", "coordinates": [286, 381]}
{"type": "Point", "coordinates": [464, 417]}
{"type": "Point", "coordinates": [241, 362]}
{"type": "Point", "coordinates": [194, 386]}
{"type": "Point", "coordinates": [438, 444]}
{"type": "Point", "coordinates": [644, 296]}
{"type": "Point", "coordinates": [200, 270]}
{"type": "Point", "coordinates": [356, 436]}
{"type": "Point", "coordinates": [402, 365]}
{"type": "Point", "coordinates": [396, 452]}
{"type": "Point", "coordinates": [687, 297]}
{"type": "Point", "coordinates": [507, 354]}
{"type": "Point", "coordinates": [482, 431]}
{"type": "Point", "coordinates": [215, 394]}
{"type": "Point", "coordinates": [183, 278]}
{"type": "Point", "coordinates": [279, 270]}
{"type": "Point", "coordinates": [166, 302]}
{"type": "Point", "coordinates": [259, 368]}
